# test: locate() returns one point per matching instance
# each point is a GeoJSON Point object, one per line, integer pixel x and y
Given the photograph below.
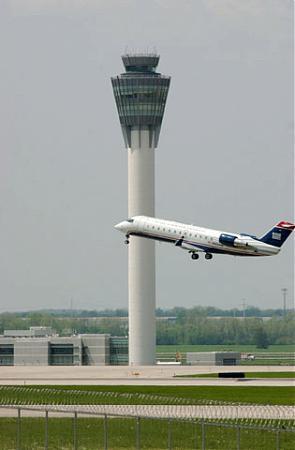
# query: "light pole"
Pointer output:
{"type": "Point", "coordinates": [284, 291]}
{"type": "Point", "coordinates": [243, 304]}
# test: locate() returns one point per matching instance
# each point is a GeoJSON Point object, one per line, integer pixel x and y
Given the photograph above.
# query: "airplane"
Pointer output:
{"type": "Point", "coordinates": [196, 239]}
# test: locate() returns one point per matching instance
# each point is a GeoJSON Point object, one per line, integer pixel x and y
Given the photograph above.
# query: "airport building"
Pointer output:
{"type": "Point", "coordinates": [33, 347]}
{"type": "Point", "coordinates": [39, 346]}
{"type": "Point", "coordinates": [213, 358]}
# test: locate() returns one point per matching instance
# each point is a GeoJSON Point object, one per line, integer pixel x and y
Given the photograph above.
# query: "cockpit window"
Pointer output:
{"type": "Point", "coordinates": [130, 220]}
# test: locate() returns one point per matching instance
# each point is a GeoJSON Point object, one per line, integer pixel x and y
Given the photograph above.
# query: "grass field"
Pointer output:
{"type": "Point", "coordinates": [122, 434]}
{"type": "Point", "coordinates": [145, 394]}
{"type": "Point", "coordinates": [268, 362]}
{"type": "Point", "coordinates": [155, 434]}
{"type": "Point", "coordinates": [273, 355]}
{"type": "Point", "coordinates": [247, 375]}
{"type": "Point", "coordinates": [233, 348]}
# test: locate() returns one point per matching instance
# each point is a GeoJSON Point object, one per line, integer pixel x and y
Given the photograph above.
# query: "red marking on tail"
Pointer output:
{"type": "Point", "coordinates": [286, 225]}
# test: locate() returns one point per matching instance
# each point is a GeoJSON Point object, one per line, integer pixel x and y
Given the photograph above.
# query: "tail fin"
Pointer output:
{"type": "Point", "coordinates": [278, 234]}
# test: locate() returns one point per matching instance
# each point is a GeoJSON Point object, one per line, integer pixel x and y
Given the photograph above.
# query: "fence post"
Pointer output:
{"type": "Point", "coordinates": [203, 436]}
{"type": "Point", "coordinates": [75, 443]}
{"type": "Point", "coordinates": [105, 431]}
{"type": "Point", "coordinates": [18, 431]}
{"type": "Point", "coordinates": [138, 433]}
{"type": "Point", "coordinates": [278, 440]}
{"type": "Point", "coordinates": [196, 428]}
{"type": "Point", "coordinates": [46, 431]}
{"type": "Point", "coordinates": [238, 437]}
{"type": "Point", "coordinates": [169, 435]}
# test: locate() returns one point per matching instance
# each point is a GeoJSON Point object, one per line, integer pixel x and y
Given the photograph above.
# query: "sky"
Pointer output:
{"type": "Point", "coordinates": [224, 160]}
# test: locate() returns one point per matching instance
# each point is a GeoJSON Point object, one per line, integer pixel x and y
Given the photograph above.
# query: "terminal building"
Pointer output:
{"type": "Point", "coordinates": [39, 346]}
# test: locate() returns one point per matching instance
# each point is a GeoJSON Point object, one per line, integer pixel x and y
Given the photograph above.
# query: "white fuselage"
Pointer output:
{"type": "Point", "coordinates": [196, 239]}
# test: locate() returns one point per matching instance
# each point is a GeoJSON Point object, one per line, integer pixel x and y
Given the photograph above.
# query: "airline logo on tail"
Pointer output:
{"type": "Point", "coordinates": [277, 236]}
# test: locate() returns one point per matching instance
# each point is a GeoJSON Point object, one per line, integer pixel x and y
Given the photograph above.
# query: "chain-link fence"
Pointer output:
{"type": "Point", "coordinates": [144, 427]}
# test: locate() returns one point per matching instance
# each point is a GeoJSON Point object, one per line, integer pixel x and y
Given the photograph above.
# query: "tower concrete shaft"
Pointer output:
{"type": "Point", "coordinates": [141, 95]}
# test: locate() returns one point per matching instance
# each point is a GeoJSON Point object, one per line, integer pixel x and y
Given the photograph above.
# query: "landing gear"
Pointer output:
{"type": "Point", "coordinates": [179, 242]}
{"type": "Point", "coordinates": [208, 256]}
{"type": "Point", "coordinates": [127, 239]}
{"type": "Point", "coordinates": [195, 256]}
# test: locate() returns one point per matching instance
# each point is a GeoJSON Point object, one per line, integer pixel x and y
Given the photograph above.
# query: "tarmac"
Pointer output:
{"type": "Point", "coordinates": [144, 375]}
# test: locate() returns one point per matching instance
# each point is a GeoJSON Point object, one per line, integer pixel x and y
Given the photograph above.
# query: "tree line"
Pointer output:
{"type": "Point", "coordinates": [194, 328]}
{"type": "Point", "coordinates": [196, 325]}
{"type": "Point", "coordinates": [212, 311]}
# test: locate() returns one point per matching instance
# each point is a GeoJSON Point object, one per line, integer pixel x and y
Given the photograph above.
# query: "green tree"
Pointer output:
{"type": "Point", "coordinates": [261, 339]}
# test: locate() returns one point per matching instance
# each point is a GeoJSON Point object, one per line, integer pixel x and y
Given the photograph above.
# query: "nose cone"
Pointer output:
{"type": "Point", "coordinates": [119, 226]}
{"type": "Point", "coordinates": [122, 226]}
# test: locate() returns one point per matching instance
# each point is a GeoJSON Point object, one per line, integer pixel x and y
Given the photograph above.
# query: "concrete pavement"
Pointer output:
{"type": "Point", "coordinates": [143, 375]}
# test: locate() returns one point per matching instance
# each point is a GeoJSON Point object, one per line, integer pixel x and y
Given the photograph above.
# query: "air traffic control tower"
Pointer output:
{"type": "Point", "coordinates": [140, 95]}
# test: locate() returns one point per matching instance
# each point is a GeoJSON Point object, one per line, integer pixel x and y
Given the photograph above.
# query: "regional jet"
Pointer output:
{"type": "Point", "coordinates": [195, 239]}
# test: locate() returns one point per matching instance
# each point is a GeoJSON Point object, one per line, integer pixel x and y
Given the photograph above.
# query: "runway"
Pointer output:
{"type": "Point", "coordinates": [140, 376]}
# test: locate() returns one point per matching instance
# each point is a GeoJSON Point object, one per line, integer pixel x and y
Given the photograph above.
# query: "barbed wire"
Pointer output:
{"type": "Point", "coordinates": [261, 417]}
{"type": "Point", "coordinates": [23, 395]}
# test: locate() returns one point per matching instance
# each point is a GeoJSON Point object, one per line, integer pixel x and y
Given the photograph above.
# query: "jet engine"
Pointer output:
{"type": "Point", "coordinates": [232, 241]}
